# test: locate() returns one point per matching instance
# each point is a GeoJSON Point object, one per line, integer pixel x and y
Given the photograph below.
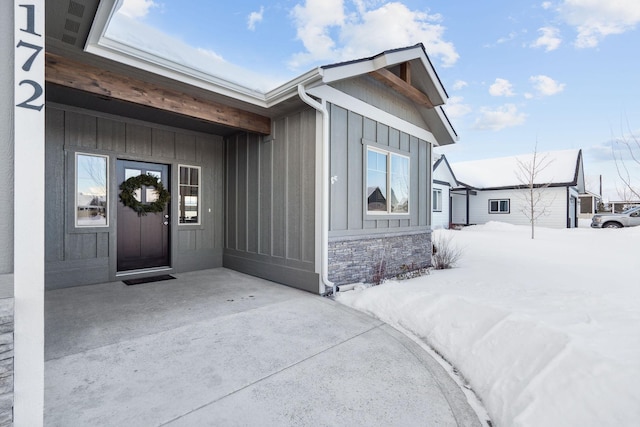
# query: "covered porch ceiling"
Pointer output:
{"type": "Point", "coordinates": [80, 79]}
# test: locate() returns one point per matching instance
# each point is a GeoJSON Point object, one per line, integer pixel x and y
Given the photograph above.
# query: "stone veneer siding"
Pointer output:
{"type": "Point", "coordinates": [6, 361]}
{"type": "Point", "coordinates": [357, 259]}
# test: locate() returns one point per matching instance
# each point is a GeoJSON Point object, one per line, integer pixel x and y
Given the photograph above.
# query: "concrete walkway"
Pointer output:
{"type": "Point", "coordinates": [219, 348]}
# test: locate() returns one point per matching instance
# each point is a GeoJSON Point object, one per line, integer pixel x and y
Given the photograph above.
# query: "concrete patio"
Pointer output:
{"type": "Point", "coordinates": [220, 348]}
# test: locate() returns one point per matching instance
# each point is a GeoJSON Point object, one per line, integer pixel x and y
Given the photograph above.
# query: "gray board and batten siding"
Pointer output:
{"type": "Point", "coordinates": [358, 241]}
{"type": "Point", "coordinates": [271, 202]}
{"type": "Point", "coordinates": [80, 256]}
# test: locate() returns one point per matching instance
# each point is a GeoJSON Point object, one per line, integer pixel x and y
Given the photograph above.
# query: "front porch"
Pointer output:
{"type": "Point", "coordinates": [217, 347]}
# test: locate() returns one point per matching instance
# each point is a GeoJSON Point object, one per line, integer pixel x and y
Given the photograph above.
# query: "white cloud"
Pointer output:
{"type": "Point", "coordinates": [455, 107]}
{"type": "Point", "coordinates": [499, 118]}
{"type": "Point", "coordinates": [596, 19]}
{"type": "Point", "coordinates": [512, 35]}
{"type": "Point", "coordinates": [547, 5]}
{"type": "Point", "coordinates": [331, 31]}
{"type": "Point", "coordinates": [549, 39]}
{"type": "Point", "coordinates": [459, 84]}
{"type": "Point", "coordinates": [501, 87]}
{"type": "Point", "coordinates": [254, 18]}
{"type": "Point", "coordinates": [545, 86]}
{"type": "Point", "coordinates": [136, 9]}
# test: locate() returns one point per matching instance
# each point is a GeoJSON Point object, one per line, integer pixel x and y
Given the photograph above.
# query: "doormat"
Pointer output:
{"type": "Point", "coordinates": [160, 278]}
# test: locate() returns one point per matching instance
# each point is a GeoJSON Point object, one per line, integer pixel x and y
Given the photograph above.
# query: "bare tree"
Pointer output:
{"type": "Point", "coordinates": [528, 173]}
{"type": "Point", "coordinates": [628, 168]}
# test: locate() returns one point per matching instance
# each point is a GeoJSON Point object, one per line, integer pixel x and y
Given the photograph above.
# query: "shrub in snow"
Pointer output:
{"type": "Point", "coordinates": [445, 253]}
{"type": "Point", "coordinates": [412, 271]}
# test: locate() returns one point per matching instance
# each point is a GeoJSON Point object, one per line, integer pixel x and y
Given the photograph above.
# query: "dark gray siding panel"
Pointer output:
{"type": "Point", "coordinates": [265, 154]}
{"type": "Point", "coordinates": [83, 256]}
{"type": "Point", "coordinates": [270, 210]}
{"type": "Point", "coordinates": [54, 196]}
{"type": "Point", "coordinates": [138, 139]}
{"type": "Point", "coordinates": [163, 144]}
{"type": "Point", "coordinates": [350, 133]}
{"type": "Point", "coordinates": [111, 135]}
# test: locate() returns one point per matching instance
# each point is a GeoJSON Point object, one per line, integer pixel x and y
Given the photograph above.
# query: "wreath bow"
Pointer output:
{"type": "Point", "coordinates": [128, 188]}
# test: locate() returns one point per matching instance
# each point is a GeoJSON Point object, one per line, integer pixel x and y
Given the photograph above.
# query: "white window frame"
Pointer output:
{"type": "Point", "coordinates": [199, 212]}
{"type": "Point", "coordinates": [499, 204]}
{"type": "Point", "coordinates": [437, 200]}
{"type": "Point", "coordinates": [389, 154]}
{"type": "Point", "coordinates": [75, 195]}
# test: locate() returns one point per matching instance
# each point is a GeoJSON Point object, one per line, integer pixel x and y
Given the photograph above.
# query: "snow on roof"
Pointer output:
{"type": "Point", "coordinates": [556, 167]}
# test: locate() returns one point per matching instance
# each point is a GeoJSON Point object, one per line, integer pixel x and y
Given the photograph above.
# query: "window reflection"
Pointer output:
{"type": "Point", "coordinates": [387, 182]}
{"type": "Point", "coordinates": [91, 190]}
{"type": "Point", "coordinates": [189, 204]}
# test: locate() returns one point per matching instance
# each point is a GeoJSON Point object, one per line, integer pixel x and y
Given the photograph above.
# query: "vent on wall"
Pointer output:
{"type": "Point", "coordinates": [76, 9]}
{"type": "Point", "coordinates": [72, 26]}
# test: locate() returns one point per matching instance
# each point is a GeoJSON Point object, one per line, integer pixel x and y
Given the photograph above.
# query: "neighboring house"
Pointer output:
{"type": "Point", "coordinates": [589, 203]}
{"type": "Point", "coordinates": [492, 190]}
{"type": "Point", "coordinates": [273, 183]}
{"type": "Point", "coordinates": [618, 206]}
{"type": "Point", "coordinates": [443, 182]}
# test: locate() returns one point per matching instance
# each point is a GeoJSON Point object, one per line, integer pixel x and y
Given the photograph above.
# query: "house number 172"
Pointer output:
{"type": "Point", "coordinates": [26, 67]}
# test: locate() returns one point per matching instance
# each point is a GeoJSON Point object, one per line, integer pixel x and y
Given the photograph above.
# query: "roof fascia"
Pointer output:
{"type": "Point", "coordinates": [447, 126]}
{"type": "Point", "coordinates": [386, 59]}
{"type": "Point", "coordinates": [443, 159]}
{"type": "Point", "coordinates": [350, 103]}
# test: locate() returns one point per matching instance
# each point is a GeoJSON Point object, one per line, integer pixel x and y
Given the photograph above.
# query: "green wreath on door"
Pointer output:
{"type": "Point", "coordinates": [127, 194]}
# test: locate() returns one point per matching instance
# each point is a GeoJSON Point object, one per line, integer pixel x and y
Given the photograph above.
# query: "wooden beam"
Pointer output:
{"type": "Point", "coordinates": [405, 72]}
{"type": "Point", "coordinates": [396, 83]}
{"type": "Point", "coordinates": [69, 73]}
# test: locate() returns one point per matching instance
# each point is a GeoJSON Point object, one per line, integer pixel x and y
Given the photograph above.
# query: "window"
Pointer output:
{"type": "Point", "coordinates": [189, 204]}
{"type": "Point", "coordinates": [499, 206]}
{"type": "Point", "coordinates": [437, 200]}
{"type": "Point", "coordinates": [387, 182]}
{"type": "Point", "coordinates": [91, 190]}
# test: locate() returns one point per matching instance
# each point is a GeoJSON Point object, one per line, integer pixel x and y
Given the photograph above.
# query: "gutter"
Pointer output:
{"type": "Point", "coordinates": [324, 253]}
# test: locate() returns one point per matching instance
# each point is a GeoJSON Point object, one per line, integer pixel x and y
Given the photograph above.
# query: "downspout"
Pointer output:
{"type": "Point", "coordinates": [322, 108]}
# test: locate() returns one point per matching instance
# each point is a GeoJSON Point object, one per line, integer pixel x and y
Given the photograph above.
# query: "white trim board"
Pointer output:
{"type": "Point", "coordinates": [344, 100]}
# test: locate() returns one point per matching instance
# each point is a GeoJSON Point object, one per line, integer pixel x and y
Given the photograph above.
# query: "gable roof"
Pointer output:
{"type": "Point", "coordinates": [441, 168]}
{"type": "Point", "coordinates": [564, 168]}
{"type": "Point", "coordinates": [407, 71]}
{"type": "Point", "coordinates": [423, 84]}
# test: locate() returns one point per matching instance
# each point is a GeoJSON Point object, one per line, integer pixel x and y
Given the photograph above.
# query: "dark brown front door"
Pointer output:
{"type": "Point", "coordinates": [143, 240]}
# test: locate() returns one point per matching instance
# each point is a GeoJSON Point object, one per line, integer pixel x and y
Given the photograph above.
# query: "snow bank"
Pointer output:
{"type": "Point", "coordinates": [547, 332]}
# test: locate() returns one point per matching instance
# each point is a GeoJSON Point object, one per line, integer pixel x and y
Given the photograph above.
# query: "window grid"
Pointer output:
{"type": "Point", "coordinates": [499, 206]}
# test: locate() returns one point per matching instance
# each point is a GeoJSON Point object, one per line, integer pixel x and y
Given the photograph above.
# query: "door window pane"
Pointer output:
{"type": "Point", "coordinates": [132, 173]}
{"type": "Point", "coordinates": [151, 195]}
{"type": "Point", "coordinates": [189, 204]}
{"type": "Point", "coordinates": [91, 190]}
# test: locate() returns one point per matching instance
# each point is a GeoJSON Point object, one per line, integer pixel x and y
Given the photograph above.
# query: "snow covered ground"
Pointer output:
{"type": "Point", "coordinates": [545, 331]}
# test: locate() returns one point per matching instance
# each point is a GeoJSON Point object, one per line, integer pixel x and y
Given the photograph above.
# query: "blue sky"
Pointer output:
{"type": "Point", "coordinates": [560, 74]}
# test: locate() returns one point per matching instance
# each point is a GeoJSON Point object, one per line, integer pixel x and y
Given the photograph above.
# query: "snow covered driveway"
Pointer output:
{"type": "Point", "coordinates": [546, 331]}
